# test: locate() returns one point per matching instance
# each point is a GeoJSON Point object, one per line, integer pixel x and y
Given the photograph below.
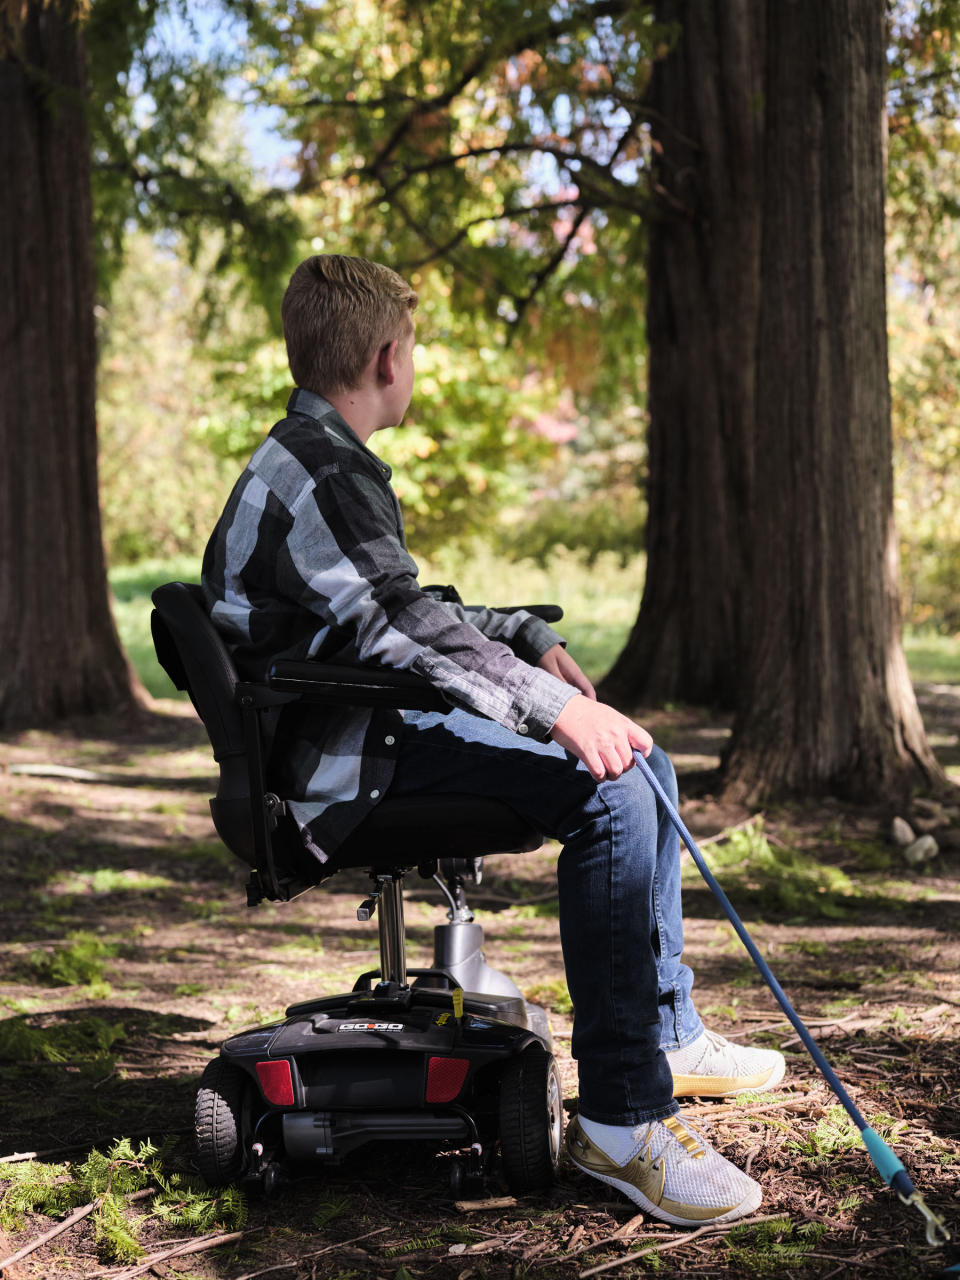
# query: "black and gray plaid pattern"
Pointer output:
{"type": "Point", "coordinates": [309, 560]}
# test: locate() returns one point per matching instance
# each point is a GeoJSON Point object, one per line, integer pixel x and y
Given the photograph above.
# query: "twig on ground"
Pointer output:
{"type": "Point", "coordinates": [727, 1113]}
{"type": "Point", "coordinates": [77, 1216]}
{"type": "Point", "coordinates": [718, 1228]}
{"type": "Point", "coordinates": [783, 1025]}
{"type": "Point", "coordinates": [496, 1202]}
{"type": "Point", "coordinates": [295, 1262]}
{"type": "Point", "coordinates": [180, 1251]}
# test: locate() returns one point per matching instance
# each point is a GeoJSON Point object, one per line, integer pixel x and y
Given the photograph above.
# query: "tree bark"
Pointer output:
{"type": "Point", "coordinates": [772, 560]}
{"type": "Point", "coordinates": [702, 319]}
{"type": "Point", "coordinates": [59, 651]}
{"type": "Point", "coordinates": [826, 701]}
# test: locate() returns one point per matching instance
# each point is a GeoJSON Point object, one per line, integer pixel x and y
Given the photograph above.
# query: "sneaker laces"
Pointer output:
{"type": "Point", "coordinates": [679, 1132]}
{"type": "Point", "coordinates": [715, 1040]}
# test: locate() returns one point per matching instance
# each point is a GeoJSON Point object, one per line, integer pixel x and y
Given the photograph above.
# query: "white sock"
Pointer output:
{"type": "Point", "coordinates": [619, 1141]}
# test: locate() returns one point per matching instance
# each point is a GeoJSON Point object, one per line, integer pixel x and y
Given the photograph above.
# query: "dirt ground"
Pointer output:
{"type": "Point", "coordinates": [127, 954]}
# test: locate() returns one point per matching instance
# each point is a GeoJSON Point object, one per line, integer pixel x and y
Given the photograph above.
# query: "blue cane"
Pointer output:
{"type": "Point", "coordinates": [887, 1163]}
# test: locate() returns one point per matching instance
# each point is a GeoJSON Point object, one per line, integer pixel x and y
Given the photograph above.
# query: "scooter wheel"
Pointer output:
{"type": "Point", "coordinates": [222, 1122]}
{"type": "Point", "coordinates": [531, 1120]}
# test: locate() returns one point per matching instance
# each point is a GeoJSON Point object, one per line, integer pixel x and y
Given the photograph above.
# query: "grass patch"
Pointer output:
{"type": "Point", "coordinates": [835, 1132]}
{"type": "Point", "coordinates": [109, 880]}
{"type": "Point", "coordinates": [80, 961]}
{"type": "Point", "coordinates": [131, 586]}
{"type": "Point", "coordinates": [932, 658]}
{"type": "Point", "coordinates": [552, 995]}
{"type": "Point", "coordinates": [770, 1248]}
{"type": "Point", "coordinates": [85, 1042]}
{"type": "Point", "coordinates": [780, 879]}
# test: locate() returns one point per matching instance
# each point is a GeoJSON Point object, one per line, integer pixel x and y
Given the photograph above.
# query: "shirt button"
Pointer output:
{"type": "Point", "coordinates": [375, 794]}
{"type": "Point", "coordinates": [523, 728]}
{"type": "Point", "coordinates": [389, 739]}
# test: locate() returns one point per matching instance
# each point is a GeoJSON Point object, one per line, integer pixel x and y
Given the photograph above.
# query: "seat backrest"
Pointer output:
{"type": "Point", "coordinates": [194, 656]}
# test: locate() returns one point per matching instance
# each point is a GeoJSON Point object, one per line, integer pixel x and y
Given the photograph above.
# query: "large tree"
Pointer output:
{"type": "Point", "coordinates": [142, 120]}
{"type": "Point", "coordinates": [776, 582]}
{"type": "Point", "coordinates": [60, 651]}
{"type": "Point", "coordinates": [753, 162]}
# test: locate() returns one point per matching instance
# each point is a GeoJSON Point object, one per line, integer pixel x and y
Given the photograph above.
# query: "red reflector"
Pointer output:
{"type": "Point", "coordinates": [276, 1082]}
{"type": "Point", "coordinates": [445, 1077]}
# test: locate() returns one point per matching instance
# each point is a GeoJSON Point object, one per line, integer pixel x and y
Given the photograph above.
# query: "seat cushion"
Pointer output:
{"type": "Point", "coordinates": [409, 830]}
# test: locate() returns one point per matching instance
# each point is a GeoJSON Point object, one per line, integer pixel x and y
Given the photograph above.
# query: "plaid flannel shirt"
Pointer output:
{"type": "Point", "coordinates": [309, 560]}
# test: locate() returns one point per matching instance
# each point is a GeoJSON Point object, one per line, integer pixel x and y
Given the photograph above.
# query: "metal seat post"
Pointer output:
{"type": "Point", "coordinates": [393, 960]}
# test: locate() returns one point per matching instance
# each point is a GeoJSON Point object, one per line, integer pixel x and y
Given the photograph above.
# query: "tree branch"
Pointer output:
{"type": "Point", "coordinates": [547, 270]}
{"type": "Point", "coordinates": [505, 148]}
{"type": "Point", "coordinates": [517, 211]}
{"type": "Point", "coordinates": [528, 39]}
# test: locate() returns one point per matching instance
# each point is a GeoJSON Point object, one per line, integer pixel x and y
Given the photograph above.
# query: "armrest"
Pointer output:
{"type": "Point", "coordinates": [345, 686]}
{"type": "Point", "coordinates": [545, 612]}
{"type": "Point", "coordinates": [355, 686]}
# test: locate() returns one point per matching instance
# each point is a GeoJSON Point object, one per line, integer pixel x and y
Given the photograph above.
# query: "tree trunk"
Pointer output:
{"type": "Point", "coordinates": [59, 650]}
{"type": "Point", "coordinates": [826, 702]}
{"type": "Point", "coordinates": [702, 318]}
{"type": "Point", "coordinates": [772, 560]}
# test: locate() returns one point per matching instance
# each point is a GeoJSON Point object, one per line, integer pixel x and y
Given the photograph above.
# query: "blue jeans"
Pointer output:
{"type": "Point", "coordinates": [618, 879]}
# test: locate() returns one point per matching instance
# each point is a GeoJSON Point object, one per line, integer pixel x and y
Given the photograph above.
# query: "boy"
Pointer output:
{"type": "Point", "coordinates": [309, 561]}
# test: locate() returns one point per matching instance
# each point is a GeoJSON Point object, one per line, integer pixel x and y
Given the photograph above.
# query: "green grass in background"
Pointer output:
{"type": "Point", "coordinates": [131, 586]}
{"type": "Point", "coordinates": [599, 601]}
{"type": "Point", "coordinates": [932, 658]}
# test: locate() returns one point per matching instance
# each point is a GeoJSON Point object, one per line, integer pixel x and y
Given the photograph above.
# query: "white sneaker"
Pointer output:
{"type": "Point", "coordinates": [674, 1174]}
{"type": "Point", "coordinates": [712, 1067]}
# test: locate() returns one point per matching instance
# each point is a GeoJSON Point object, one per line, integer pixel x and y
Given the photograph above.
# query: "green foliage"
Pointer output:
{"type": "Point", "coordinates": [103, 1178]}
{"type": "Point", "coordinates": [106, 1179]}
{"type": "Point", "coordinates": [161, 486]}
{"type": "Point", "coordinates": [329, 1212]}
{"type": "Point", "coordinates": [166, 142]}
{"type": "Point", "coordinates": [769, 1248]}
{"type": "Point", "coordinates": [414, 1245]}
{"type": "Point", "coordinates": [85, 1042]}
{"type": "Point", "coordinates": [784, 879]}
{"type": "Point", "coordinates": [79, 963]}
{"type": "Point", "coordinates": [186, 1202]}
{"type": "Point", "coordinates": [611, 522]}
{"type": "Point", "coordinates": [923, 242]}
{"type": "Point", "coordinates": [131, 586]}
{"type": "Point", "coordinates": [552, 995]}
{"type": "Point", "coordinates": [835, 1132]}
{"type": "Point", "coordinates": [33, 1187]}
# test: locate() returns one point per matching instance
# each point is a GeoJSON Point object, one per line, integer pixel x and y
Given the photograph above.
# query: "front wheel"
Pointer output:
{"type": "Point", "coordinates": [531, 1120]}
{"type": "Point", "coordinates": [222, 1122]}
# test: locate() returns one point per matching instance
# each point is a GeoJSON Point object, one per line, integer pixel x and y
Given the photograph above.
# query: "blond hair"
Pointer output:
{"type": "Point", "coordinates": [337, 313]}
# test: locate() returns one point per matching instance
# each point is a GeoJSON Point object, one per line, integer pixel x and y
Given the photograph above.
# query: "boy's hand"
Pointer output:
{"type": "Point", "coordinates": [600, 736]}
{"type": "Point", "coordinates": [559, 663]}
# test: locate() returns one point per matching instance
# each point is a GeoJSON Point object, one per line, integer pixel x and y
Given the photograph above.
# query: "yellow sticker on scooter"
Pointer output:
{"type": "Point", "coordinates": [458, 1002]}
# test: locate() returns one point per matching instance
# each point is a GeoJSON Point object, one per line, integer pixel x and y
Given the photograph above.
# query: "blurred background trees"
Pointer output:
{"type": "Point", "coordinates": [505, 157]}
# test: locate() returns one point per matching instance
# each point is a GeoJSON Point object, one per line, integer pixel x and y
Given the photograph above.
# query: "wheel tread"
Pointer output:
{"type": "Point", "coordinates": [524, 1128]}
{"type": "Point", "coordinates": [218, 1124]}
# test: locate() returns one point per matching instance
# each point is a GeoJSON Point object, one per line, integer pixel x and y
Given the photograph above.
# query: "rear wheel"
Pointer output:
{"type": "Point", "coordinates": [222, 1121]}
{"type": "Point", "coordinates": [531, 1120]}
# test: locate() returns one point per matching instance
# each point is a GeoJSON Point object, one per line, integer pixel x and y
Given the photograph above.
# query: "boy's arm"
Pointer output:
{"type": "Point", "coordinates": [527, 635]}
{"type": "Point", "coordinates": [346, 563]}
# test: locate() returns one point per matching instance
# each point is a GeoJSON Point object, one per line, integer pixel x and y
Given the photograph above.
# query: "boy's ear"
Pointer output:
{"type": "Point", "coordinates": [386, 362]}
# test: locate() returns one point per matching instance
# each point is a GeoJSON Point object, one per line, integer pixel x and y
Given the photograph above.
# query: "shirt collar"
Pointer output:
{"type": "Point", "coordinates": [310, 405]}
